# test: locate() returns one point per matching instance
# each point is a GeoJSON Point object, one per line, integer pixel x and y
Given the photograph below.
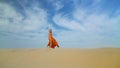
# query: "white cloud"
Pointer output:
{"type": "Point", "coordinates": [36, 18]}
{"type": "Point", "coordinates": [57, 4]}
{"type": "Point", "coordinates": [96, 22]}
{"type": "Point", "coordinates": [79, 14]}
{"type": "Point", "coordinates": [67, 23]}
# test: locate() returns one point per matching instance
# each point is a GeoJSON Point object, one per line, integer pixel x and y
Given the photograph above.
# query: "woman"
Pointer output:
{"type": "Point", "coordinates": [52, 41]}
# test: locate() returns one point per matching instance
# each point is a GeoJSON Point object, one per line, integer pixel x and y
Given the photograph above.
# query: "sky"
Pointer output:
{"type": "Point", "coordinates": [75, 23]}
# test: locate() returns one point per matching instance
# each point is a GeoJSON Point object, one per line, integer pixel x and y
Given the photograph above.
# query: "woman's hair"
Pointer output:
{"type": "Point", "coordinates": [50, 31]}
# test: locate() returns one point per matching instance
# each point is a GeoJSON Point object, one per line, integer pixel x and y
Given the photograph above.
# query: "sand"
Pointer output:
{"type": "Point", "coordinates": [60, 58]}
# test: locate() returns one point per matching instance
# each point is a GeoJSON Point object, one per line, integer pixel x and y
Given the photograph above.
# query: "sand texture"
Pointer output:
{"type": "Point", "coordinates": [60, 58]}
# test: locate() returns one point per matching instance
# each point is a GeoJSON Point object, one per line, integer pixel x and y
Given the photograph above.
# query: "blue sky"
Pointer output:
{"type": "Point", "coordinates": [75, 23]}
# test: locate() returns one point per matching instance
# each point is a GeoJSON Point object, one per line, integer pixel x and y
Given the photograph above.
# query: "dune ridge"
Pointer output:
{"type": "Point", "coordinates": [60, 58]}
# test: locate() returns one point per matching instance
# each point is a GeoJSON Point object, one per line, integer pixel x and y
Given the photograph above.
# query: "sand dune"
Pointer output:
{"type": "Point", "coordinates": [60, 58]}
